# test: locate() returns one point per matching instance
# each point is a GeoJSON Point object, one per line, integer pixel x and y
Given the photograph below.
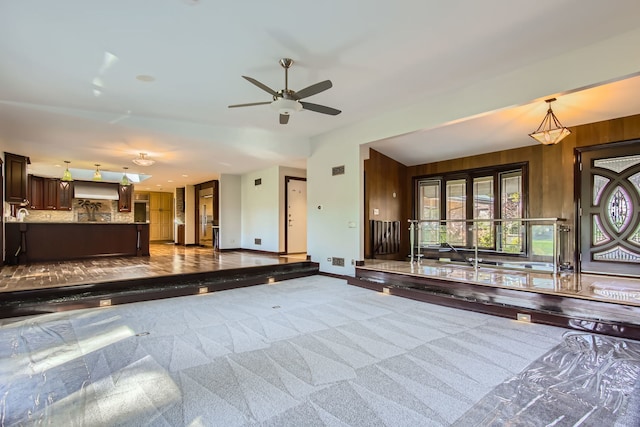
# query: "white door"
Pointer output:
{"type": "Point", "coordinates": [296, 216]}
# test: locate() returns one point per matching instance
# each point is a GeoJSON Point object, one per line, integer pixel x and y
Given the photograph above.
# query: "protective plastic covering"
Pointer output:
{"type": "Point", "coordinates": [589, 380]}
{"type": "Point", "coordinates": [54, 367]}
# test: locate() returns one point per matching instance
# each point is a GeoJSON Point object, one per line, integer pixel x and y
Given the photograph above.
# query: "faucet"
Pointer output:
{"type": "Point", "coordinates": [22, 212]}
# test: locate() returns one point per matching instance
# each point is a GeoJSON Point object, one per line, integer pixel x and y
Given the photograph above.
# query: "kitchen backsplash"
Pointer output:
{"type": "Point", "coordinates": [107, 212]}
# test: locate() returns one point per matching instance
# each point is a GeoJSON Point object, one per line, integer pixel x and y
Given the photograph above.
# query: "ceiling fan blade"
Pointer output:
{"type": "Point", "coordinates": [284, 119]}
{"type": "Point", "coordinates": [313, 89]}
{"type": "Point", "coordinates": [249, 104]}
{"type": "Point", "coordinates": [320, 108]}
{"type": "Point", "coordinates": [261, 85]}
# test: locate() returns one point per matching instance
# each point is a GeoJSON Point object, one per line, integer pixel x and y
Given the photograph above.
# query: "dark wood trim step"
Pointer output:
{"type": "Point", "coordinates": [574, 313]}
{"type": "Point", "coordinates": [91, 295]}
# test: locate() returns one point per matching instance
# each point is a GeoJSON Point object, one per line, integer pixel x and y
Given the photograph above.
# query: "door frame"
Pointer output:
{"type": "Point", "coordinates": [579, 151]}
{"type": "Point", "coordinates": [286, 208]}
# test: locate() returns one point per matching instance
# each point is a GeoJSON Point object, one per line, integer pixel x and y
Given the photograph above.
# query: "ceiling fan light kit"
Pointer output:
{"type": "Point", "coordinates": [287, 101]}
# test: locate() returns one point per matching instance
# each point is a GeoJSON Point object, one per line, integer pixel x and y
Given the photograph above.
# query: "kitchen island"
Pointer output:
{"type": "Point", "coordinates": [28, 242]}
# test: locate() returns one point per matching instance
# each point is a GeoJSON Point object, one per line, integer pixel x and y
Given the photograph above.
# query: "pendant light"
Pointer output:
{"type": "Point", "coordinates": [143, 160]}
{"type": "Point", "coordinates": [66, 176]}
{"type": "Point", "coordinates": [125, 182]}
{"type": "Point", "coordinates": [97, 176]}
{"type": "Point", "coordinates": [550, 130]}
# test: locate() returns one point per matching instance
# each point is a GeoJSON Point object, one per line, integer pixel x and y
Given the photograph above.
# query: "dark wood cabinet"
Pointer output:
{"type": "Point", "coordinates": [36, 192]}
{"type": "Point", "coordinates": [124, 202]}
{"type": "Point", "coordinates": [50, 194]}
{"type": "Point", "coordinates": [65, 195]}
{"type": "Point", "coordinates": [16, 182]}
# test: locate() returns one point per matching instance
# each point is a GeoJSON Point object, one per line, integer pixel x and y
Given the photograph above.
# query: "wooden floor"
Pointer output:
{"type": "Point", "coordinates": [587, 302]}
{"type": "Point", "coordinates": [166, 259]}
{"type": "Point", "coordinates": [170, 271]}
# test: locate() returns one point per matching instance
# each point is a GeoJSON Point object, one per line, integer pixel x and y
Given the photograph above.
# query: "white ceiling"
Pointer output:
{"type": "Point", "coordinates": [382, 60]}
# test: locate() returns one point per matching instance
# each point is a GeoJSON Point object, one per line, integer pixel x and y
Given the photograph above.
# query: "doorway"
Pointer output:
{"type": "Point", "coordinates": [295, 228]}
{"type": "Point", "coordinates": [205, 217]}
{"type": "Point", "coordinates": [609, 205]}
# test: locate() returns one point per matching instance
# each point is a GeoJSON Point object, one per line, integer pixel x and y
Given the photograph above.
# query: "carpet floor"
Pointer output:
{"type": "Point", "coordinates": [308, 352]}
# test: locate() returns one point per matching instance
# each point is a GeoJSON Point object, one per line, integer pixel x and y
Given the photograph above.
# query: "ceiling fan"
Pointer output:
{"type": "Point", "coordinates": [287, 101]}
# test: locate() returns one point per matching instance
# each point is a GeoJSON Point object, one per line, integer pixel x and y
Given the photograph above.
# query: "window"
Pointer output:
{"type": "Point", "coordinates": [456, 209]}
{"type": "Point", "coordinates": [429, 195]}
{"type": "Point", "coordinates": [491, 194]}
{"type": "Point", "coordinates": [483, 208]}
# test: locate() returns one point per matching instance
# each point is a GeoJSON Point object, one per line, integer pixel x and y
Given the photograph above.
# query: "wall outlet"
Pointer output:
{"type": "Point", "coordinates": [257, 241]}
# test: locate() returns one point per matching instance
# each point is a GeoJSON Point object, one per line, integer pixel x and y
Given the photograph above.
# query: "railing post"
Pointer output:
{"type": "Point", "coordinates": [555, 248]}
{"type": "Point", "coordinates": [412, 237]}
{"type": "Point", "coordinates": [475, 246]}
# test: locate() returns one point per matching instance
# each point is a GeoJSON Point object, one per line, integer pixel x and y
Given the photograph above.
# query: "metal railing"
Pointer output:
{"type": "Point", "coordinates": [539, 242]}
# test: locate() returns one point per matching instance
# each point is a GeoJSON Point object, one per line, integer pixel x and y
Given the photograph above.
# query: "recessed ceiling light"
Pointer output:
{"type": "Point", "coordinates": [170, 180]}
{"type": "Point", "coordinates": [185, 175]}
{"type": "Point", "coordinates": [58, 166]}
{"type": "Point", "coordinates": [145, 78]}
{"type": "Point", "coordinates": [158, 185]}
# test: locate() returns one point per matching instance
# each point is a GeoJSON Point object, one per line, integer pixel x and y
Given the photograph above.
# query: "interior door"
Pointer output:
{"type": "Point", "coordinates": [610, 210]}
{"type": "Point", "coordinates": [296, 215]}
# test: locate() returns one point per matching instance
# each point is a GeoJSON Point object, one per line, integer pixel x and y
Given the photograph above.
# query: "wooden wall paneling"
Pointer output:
{"type": "Point", "coordinates": [551, 171]}
{"type": "Point", "coordinates": [384, 177]}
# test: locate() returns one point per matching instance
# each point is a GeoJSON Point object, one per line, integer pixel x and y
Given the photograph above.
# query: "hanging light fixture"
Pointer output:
{"type": "Point", "coordinates": [550, 130]}
{"type": "Point", "coordinates": [66, 176]}
{"type": "Point", "coordinates": [143, 160]}
{"type": "Point", "coordinates": [125, 179]}
{"type": "Point", "coordinates": [97, 176]}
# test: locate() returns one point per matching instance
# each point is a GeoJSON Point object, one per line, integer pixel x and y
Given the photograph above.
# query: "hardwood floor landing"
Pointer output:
{"type": "Point", "coordinates": [166, 259]}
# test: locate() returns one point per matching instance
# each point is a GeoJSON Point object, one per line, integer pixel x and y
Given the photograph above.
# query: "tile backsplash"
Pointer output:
{"type": "Point", "coordinates": [108, 212]}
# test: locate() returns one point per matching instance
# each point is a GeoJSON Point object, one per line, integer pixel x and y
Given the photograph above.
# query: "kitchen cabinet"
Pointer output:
{"type": "Point", "coordinates": [161, 215]}
{"type": "Point", "coordinates": [50, 194]}
{"type": "Point", "coordinates": [50, 241]}
{"type": "Point", "coordinates": [36, 192]}
{"type": "Point", "coordinates": [16, 181]}
{"type": "Point", "coordinates": [124, 202]}
{"type": "Point", "coordinates": [65, 195]}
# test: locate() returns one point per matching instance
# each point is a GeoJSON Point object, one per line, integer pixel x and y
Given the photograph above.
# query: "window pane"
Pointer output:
{"type": "Point", "coordinates": [512, 239]}
{"type": "Point", "coordinates": [456, 209]}
{"type": "Point", "coordinates": [429, 209]}
{"type": "Point", "coordinates": [483, 208]}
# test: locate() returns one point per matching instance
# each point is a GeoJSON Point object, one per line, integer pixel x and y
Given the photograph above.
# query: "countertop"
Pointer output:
{"type": "Point", "coordinates": [78, 223]}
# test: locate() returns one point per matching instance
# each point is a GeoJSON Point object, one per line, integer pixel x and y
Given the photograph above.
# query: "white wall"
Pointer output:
{"type": "Point", "coordinates": [230, 187]}
{"type": "Point", "coordinates": [334, 204]}
{"type": "Point", "coordinates": [285, 171]}
{"type": "Point", "coordinates": [260, 209]}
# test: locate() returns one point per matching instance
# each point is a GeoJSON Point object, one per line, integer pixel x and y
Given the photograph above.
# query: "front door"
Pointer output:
{"type": "Point", "coordinates": [296, 215]}
{"type": "Point", "coordinates": [610, 210]}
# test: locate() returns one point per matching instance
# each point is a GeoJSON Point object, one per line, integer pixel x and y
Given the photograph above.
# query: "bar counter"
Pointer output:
{"type": "Point", "coordinates": [28, 242]}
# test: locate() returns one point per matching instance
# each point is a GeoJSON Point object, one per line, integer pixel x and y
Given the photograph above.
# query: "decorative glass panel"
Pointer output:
{"type": "Point", "coordinates": [617, 164]}
{"type": "Point", "coordinates": [483, 208]}
{"type": "Point", "coordinates": [635, 180]}
{"type": "Point", "coordinates": [599, 236]}
{"type": "Point", "coordinates": [599, 183]}
{"type": "Point", "coordinates": [457, 209]}
{"type": "Point", "coordinates": [617, 254]}
{"type": "Point", "coordinates": [619, 209]}
{"type": "Point", "coordinates": [635, 237]}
